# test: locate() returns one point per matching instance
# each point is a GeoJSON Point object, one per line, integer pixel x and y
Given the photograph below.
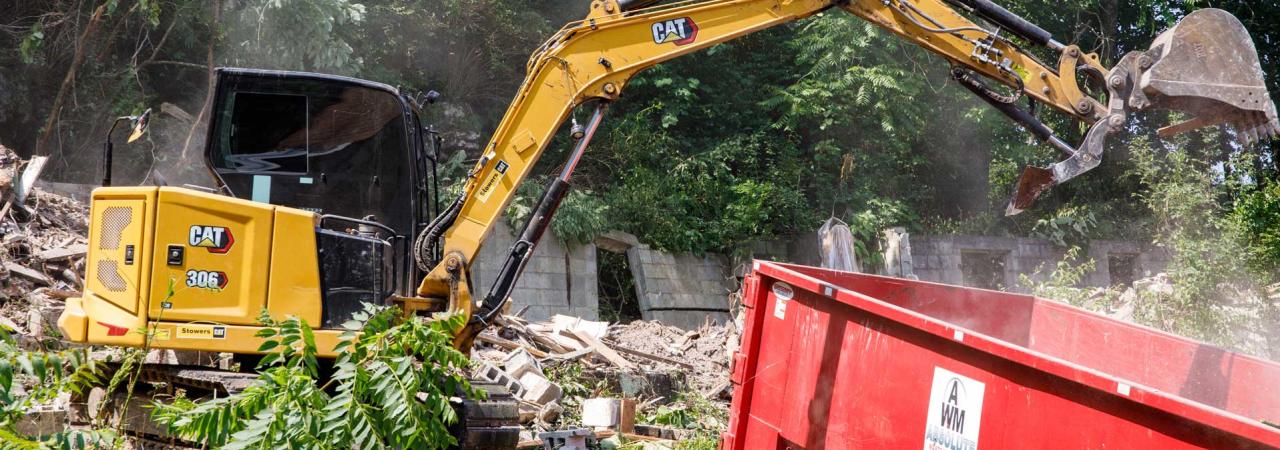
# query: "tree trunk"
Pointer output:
{"type": "Point", "coordinates": [208, 98]}
{"type": "Point", "coordinates": [69, 80]}
{"type": "Point", "coordinates": [1110, 27]}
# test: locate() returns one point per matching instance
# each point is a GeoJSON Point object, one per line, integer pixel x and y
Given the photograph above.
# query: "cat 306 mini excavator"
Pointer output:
{"type": "Point", "coordinates": [325, 183]}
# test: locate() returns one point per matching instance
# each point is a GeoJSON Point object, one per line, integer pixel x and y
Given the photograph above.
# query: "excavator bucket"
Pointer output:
{"type": "Point", "coordinates": [1205, 66]}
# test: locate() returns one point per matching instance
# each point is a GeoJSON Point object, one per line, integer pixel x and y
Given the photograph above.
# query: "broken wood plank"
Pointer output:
{"type": "Point", "coordinates": [641, 437]}
{"type": "Point", "coordinates": [572, 355]}
{"type": "Point", "coordinates": [71, 251]}
{"type": "Point", "coordinates": [29, 274]}
{"type": "Point", "coordinates": [649, 402]}
{"type": "Point", "coordinates": [715, 392]}
{"type": "Point", "coordinates": [566, 340]}
{"type": "Point", "coordinates": [550, 343]}
{"type": "Point", "coordinates": [510, 345]}
{"type": "Point", "coordinates": [602, 349]}
{"type": "Point", "coordinates": [60, 294]}
{"type": "Point", "coordinates": [651, 357]}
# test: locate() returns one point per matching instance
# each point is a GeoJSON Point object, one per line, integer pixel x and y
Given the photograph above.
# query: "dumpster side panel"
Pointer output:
{"type": "Point", "coordinates": [1189, 369]}
{"type": "Point", "coordinates": [1193, 370]}
{"type": "Point", "coordinates": [837, 370]}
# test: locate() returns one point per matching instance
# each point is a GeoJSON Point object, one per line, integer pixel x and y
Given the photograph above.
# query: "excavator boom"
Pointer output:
{"type": "Point", "coordinates": [593, 59]}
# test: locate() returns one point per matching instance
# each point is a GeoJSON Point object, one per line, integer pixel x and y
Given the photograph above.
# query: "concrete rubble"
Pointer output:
{"type": "Point", "coordinates": [633, 370]}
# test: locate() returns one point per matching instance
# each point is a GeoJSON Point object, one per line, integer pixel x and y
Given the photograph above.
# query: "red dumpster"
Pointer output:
{"type": "Point", "coordinates": [837, 360]}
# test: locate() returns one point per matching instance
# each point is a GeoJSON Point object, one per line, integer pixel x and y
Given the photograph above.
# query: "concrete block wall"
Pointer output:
{"type": "Point", "coordinates": [682, 290]}
{"type": "Point", "coordinates": [1148, 260]}
{"type": "Point", "coordinates": [804, 249]}
{"type": "Point", "coordinates": [557, 280]}
{"type": "Point", "coordinates": [940, 258]}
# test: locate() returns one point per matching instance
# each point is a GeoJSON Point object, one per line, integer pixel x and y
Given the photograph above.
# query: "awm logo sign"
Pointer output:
{"type": "Point", "coordinates": [677, 31]}
{"type": "Point", "coordinates": [952, 413]}
{"type": "Point", "coordinates": [955, 412]}
{"type": "Point", "coordinates": [215, 239]}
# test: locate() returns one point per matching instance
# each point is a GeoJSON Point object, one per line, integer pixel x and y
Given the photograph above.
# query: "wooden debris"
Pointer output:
{"type": "Point", "coordinates": [603, 350]}
{"type": "Point", "coordinates": [61, 294]}
{"type": "Point", "coordinates": [510, 345]}
{"type": "Point", "coordinates": [652, 356]}
{"type": "Point", "coordinates": [719, 389]}
{"type": "Point", "coordinates": [641, 437]}
{"type": "Point", "coordinates": [649, 402]}
{"type": "Point", "coordinates": [573, 355]}
{"type": "Point", "coordinates": [627, 416]}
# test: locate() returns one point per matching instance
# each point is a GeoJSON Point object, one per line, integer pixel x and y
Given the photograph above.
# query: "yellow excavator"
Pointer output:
{"type": "Point", "coordinates": [325, 184]}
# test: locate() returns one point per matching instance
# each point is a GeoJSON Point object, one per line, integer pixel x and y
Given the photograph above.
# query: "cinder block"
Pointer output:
{"type": "Point", "coordinates": [520, 359]}
{"type": "Point", "coordinates": [537, 388]}
{"type": "Point", "coordinates": [536, 312]}
{"type": "Point", "coordinates": [556, 282]}
{"type": "Point", "coordinates": [600, 412]}
{"type": "Point", "coordinates": [553, 298]}
{"type": "Point", "coordinates": [43, 420]}
{"type": "Point", "coordinates": [490, 373]}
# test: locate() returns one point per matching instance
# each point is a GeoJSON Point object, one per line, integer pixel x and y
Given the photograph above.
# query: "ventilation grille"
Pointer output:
{"type": "Point", "coordinates": [110, 277]}
{"type": "Point", "coordinates": [114, 220]}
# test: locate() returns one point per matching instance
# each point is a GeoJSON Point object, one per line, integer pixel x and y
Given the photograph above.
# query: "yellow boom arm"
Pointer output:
{"type": "Point", "coordinates": [596, 57]}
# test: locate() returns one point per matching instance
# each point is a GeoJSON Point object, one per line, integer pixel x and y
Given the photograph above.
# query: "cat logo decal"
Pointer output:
{"type": "Point", "coordinates": [677, 31]}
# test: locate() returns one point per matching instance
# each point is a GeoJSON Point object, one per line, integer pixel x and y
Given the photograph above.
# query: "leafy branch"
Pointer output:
{"type": "Point", "coordinates": [392, 387]}
{"type": "Point", "coordinates": [32, 378]}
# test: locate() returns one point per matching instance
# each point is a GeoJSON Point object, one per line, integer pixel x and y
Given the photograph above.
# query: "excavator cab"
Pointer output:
{"type": "Point", "coordinates": [326, 181]}
{"type": "Point", "coordinates": [336, 146]}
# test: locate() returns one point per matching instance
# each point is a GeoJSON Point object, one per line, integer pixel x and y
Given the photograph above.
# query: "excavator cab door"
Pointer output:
{"type": "Point", "coordinates": [328, 144]}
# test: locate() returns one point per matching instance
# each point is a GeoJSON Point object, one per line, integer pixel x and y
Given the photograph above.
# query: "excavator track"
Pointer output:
{"type": "Point", "coordinates": [491, 423]}
{"type": "Point", "coordinates": [222, 382]}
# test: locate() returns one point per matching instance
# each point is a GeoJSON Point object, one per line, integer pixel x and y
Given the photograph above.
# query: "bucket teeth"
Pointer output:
{"type": "Point", "coordinates": [1207, 65]}
{"type": "Point", "coordinates": [1255, 127]}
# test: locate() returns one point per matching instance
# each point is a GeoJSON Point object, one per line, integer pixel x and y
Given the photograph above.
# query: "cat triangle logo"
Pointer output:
{"type": "Point", "coordinates": [214, 239]}
{"type": "Point", "coordinates": [677, 31]}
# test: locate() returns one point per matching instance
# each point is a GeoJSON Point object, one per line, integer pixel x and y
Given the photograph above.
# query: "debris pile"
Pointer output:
{"type": "Point", "coordinates": [42, 247]}
{"type": "Point", "coordinates": [569, 372]}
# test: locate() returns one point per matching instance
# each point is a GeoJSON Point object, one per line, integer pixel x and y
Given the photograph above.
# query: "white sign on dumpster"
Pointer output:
{"type": "Point", "coordinates": [955, 412]}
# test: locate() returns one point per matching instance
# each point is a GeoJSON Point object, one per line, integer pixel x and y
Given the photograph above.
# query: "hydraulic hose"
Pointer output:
{"type": "Point", "coordinates": [1011, 109]}
{"type": "Point", "coordinates": [1013, 22]}
{"type": "Point", "coordinates": [536, 226]}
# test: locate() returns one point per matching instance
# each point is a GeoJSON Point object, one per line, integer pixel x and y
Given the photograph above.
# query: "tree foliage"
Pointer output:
{"type": "Point", "coordinates": [763, 136]}
{"type": "Point", "coordinates": [827, 116]}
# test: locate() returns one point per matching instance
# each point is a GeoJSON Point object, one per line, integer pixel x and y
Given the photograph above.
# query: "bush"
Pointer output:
{"type": "Point", "coordinates": [390, 389]}
{"type": "Point", "coordinates": [1257, 213]}
{"type": "Point", "coordinates": [1216, 297]}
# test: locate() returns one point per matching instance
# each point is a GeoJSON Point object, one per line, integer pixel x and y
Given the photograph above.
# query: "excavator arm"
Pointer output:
{"type": "Point", "coordinates": [594, 59]}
